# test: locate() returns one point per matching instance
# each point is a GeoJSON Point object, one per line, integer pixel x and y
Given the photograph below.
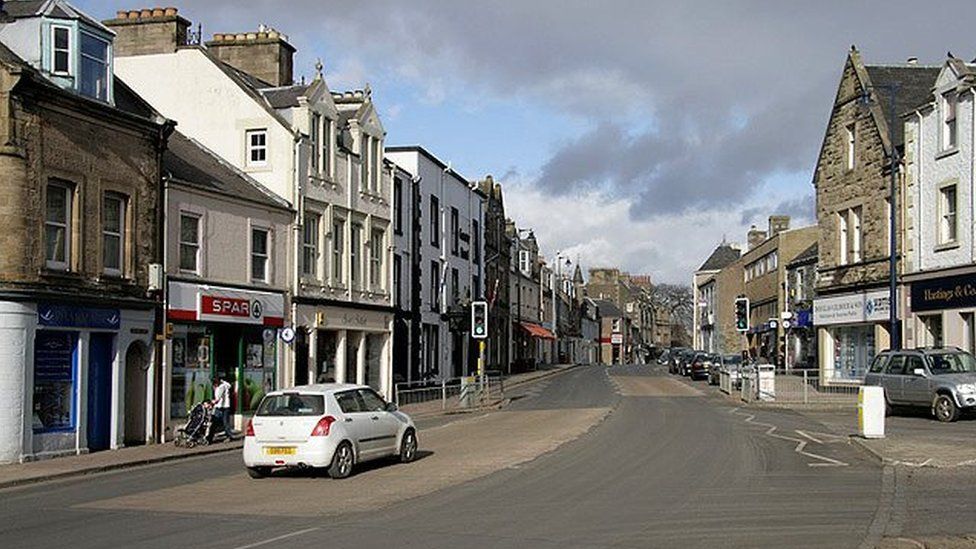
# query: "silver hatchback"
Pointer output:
{"type": "Point", "coordinates": [941, 379]}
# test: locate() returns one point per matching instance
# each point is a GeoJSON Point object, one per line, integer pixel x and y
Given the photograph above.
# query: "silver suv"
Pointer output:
{"type": "Point", "coordinates": [943, 379]}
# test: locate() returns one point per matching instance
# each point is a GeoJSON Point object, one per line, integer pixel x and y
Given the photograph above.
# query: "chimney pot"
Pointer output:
{"type": "Point", "coordinates": [171, 11]}
{"type": "Point", "coordinates": [252, 36]}
{"type": "Point", "coordinates": [240, 36]}
{"type": "Point", "coordinates": [273, 34]}
{"type": "Point", "coordinates": [121, 14]}
{"type": "Point", "coordinates": [262, 35]}
{"type": "Point", "coordinates": [157, 12]}
{"type": "Point", "coordinates": [145, 13]}
{"type": "Point", "coordinates": [133, 14]}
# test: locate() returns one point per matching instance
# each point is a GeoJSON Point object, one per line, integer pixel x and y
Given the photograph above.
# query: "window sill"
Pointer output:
{"type": "Point", "coordinates": [258, 168]}
{"type": "Point", "coordinates": [946, 153]}
{"type": "Point", "coordinates": [947, 246]}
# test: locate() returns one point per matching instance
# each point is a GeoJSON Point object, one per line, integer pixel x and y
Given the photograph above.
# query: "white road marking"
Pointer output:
{"type": "Point", "coordinates": [807, 435]}
{"type": "Point", "coordinates": [824, 461]}
{"type": "Point", "coordinates": [911, 463]}
{"type": "Point", "coordinates": [279, 538]}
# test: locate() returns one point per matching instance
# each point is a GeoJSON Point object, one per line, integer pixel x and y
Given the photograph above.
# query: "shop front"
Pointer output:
{"type": "Point", "coordinates": [941, 312]}
{"type": "Point", "coordinates": [851, 329]}
{"type": "Point", "coordinates": [79, 378]}
{"type": "Point", "coordinates": [337, 344]}
{"type": "Point", "coordinates": [220, 331]}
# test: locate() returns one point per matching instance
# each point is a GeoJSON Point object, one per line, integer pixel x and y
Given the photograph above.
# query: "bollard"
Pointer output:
{"type": "Point", "coordinates": [871, 412]}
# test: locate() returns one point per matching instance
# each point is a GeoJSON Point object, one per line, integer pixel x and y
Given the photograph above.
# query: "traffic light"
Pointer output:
{"type": "Point", "coordinates": [479, 319]}
{"type": "Point", "coordinates": [742, 314]}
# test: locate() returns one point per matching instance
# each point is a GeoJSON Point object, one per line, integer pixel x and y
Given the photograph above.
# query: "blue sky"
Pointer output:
{"type": "Point", "coordinates": [630, 134]}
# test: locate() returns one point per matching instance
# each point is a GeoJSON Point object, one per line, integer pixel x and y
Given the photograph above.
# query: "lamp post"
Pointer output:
{"type": "Point", "coordinates": [893, 327]}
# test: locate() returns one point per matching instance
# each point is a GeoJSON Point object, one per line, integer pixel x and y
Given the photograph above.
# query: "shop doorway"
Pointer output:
{"type": "Point", "coordinates": [99, 424]}
{"type": "Point", "coordinates": [301, 357]}
{"type": "Point", "coordinates": [136, 366]}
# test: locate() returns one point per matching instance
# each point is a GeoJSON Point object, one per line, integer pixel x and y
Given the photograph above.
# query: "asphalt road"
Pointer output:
{"type": "Point", "coordinates": [669, 467]}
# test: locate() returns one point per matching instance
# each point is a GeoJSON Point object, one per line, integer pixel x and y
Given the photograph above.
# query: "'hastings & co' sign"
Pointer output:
{"type": "Point", "coordinates": [953, 292]}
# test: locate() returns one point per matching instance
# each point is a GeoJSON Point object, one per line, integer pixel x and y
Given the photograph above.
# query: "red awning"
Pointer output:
{"type": "Point", "coordinates": [535, 330]}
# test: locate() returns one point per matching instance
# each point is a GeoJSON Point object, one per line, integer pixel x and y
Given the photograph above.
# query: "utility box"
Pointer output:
{"type": "Point", "coordinates": [871, 412]}
{"type": "Point", "coordinates": [767, 382]}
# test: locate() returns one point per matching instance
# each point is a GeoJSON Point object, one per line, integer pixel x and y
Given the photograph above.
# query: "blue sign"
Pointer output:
{"type": "Point", "coordinates": [67, 316]}
{"type": "Point", "coordinates": [804, 318]}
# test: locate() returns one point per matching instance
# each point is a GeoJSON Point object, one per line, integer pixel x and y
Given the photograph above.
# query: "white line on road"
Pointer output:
{"type": "Point", "coordinates": [802, 434]}
{"type": "Point", "coordinates": [279, 538]}
{"type": "Point", "coordinates": [800, 444]}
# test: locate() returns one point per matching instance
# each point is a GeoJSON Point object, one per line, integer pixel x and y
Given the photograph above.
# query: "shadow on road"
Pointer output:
{"type": "Point", "coordinates": [361, 468]}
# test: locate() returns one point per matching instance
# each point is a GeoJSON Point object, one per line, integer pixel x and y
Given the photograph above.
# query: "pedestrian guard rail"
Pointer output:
{"type": "Point", "coordinates": [795, 388]}
{"type": "Point", "coordinates": [450, 393]}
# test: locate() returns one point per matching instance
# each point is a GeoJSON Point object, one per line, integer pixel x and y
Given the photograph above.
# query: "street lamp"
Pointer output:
{"type": "Point", "coordinates": [865, 100]}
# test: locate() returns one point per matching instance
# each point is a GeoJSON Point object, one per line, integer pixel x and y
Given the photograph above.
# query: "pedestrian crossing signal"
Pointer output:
{"type": "Point", "coordinates": [742, 314]}
{"type": "Point", "coordinates": [479, 319]}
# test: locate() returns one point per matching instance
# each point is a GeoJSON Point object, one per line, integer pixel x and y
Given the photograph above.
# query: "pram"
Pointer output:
{"type": "Point", "coordinates": [197, 428]}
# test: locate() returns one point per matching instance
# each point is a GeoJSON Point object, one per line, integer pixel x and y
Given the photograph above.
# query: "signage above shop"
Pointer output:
{"type": "Point", "coordinates": [851, 308]}
{"type": "Point", "coordinates": [68, 316]}
{"type": "Point", "coordinates": [951, 292]}
{"type": "Point", "coordinates": [198, 302]}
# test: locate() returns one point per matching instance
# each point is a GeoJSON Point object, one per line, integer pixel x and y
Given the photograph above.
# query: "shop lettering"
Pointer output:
{"type": "Point", "coordinates": [959, 291]}
{"type": "Point", "coordinates": [228, 306]}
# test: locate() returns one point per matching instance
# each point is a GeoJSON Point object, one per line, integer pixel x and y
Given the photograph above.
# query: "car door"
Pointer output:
{"type": "Point", "coordinates": [383, 426]}
{"type": "Point", "coordinates": [915, 388]}
{"type": "Point", "coordinates": [891, 379]}
{"type": "Point", "coordinates": [355, 421]}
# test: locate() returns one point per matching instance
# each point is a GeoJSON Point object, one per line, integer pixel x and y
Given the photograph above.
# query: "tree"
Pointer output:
{"type": "Point", "coordinates": [676, 301]}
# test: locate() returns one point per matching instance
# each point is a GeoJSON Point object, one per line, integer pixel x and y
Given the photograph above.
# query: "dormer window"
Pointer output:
{"type": "Point", "coordinates": [949, 132]}
{"type": "Point", "coordinates": [61, 50]}
{"type": "Point", "coordinates": [94, 67]}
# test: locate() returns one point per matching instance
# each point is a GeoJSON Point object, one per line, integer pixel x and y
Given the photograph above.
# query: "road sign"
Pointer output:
{"type": "Point", "coordinates": [479, 319]}
{"type": "Point", "coordinates": [616, 339]}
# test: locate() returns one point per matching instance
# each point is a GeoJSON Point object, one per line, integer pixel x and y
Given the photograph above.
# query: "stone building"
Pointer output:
{"type": "Point", "coordinates": [529, 337]}
{"type": "Point", "coordinates": [714, 303]}
{"type": "Point", "coordinates": [940, 251]}
{"type": "Point", "coordinates": [801, 337]}
{"type": "Point", "coordinates": [852, 184]}
{"type": "Point", "coordinates": [615, 333]}
{"type": "Point", "coordinates": [497, 291]}
{"type": "Point", "coordinates": [80, 245]}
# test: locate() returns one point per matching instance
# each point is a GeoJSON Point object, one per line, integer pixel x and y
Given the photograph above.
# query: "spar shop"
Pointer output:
{"type": "Point", "coordinates": [220, 330]}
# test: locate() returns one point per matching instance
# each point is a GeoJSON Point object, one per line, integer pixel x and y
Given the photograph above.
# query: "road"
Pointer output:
{"type": "Point", "coordinates": [592, 458]}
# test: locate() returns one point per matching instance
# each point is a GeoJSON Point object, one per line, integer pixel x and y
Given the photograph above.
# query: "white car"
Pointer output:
{"type": "Point", "coordinates": [333, 425]}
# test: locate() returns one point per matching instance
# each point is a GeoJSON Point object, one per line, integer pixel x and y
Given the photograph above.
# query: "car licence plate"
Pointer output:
{"type": "Point", "coordinates": [279, 450]}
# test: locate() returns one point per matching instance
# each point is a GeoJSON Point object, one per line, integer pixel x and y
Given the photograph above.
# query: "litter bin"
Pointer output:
{"type": "Point", "coordinates": [871, 412]}
{"type": "Point", "coordinates": [767, 382]}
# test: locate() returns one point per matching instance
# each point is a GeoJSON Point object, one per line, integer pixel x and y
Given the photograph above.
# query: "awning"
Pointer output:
{"type": "Point", "coordinates": [535, 330]}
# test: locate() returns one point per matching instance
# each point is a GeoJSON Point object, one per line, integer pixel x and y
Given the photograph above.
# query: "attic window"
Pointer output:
{"type": "Point", "coordinates": [94, 67]}
{"type": "Point", "coordinates": [949, 132]}
{"type": "Point", "coordinates": [61, 50]}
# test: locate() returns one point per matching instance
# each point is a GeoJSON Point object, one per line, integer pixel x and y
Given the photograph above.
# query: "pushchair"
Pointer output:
{"type": "Point", "coordinates": [196, 431]}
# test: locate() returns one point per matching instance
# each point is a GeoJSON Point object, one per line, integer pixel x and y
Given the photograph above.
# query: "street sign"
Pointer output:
{"type": "Point", "coordinates": [773, 323]}
{"type": "Point", "coordinates": [616, 339]}
{"type": "Point", "coordinates": [479, 319]}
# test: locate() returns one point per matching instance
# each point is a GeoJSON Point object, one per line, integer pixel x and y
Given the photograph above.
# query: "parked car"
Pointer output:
{"type": "Point", "coordinates": [676, 359]}
{"type": "Point", "coordinates": [664, 357]}
{"type": "Point", "coordinates": [332, 425]}
{"type": "Point", "coordinates": [941, 379]}
{"type": "Point", "coordinates": [700, 365]}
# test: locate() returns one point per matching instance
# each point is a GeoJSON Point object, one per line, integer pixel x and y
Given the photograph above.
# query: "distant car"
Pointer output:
{"type": "Point", "coordinates": [675, 359]}
{"type": "Point", "coordinates": [332, 425]}
{"type": "Point", "coordinates": [941, 379]}
{"type": "Point", "coordinates": [664, 357]}
{"type": "Point", "coordinates": [699, 365]}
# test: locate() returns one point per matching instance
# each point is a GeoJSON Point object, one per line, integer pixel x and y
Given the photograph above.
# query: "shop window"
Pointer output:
{"type": "Point", "coordinates": [853, 351]}
{"type": "Point", "coordinates": [932, 330]}
{"type": "Point", "coordinates": [59, 212]}
{"type": "Point", "coordinates": [259, 255]}
{"type": "Point", "coordinates": [55, 377]}
{"type": "Point", "coordinates": [190, 243]}
{"type": "Point", "coordinates": [113, 233]}
{"type": "Point", "coordinates": [191, 381]}
{"type": "Point", "coordinates": [969, 335]}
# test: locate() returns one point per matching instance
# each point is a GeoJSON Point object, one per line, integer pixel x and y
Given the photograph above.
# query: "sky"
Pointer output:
{"type": "Point", "coordinates": [631, 133]}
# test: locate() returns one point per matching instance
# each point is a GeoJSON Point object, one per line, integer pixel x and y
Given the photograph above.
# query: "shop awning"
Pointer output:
{"type": "Point", "coordinates": [535, 330]}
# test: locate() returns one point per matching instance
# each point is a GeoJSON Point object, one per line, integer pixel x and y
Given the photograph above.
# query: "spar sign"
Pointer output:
{"type": "Point", "coordinates": [200, 302]}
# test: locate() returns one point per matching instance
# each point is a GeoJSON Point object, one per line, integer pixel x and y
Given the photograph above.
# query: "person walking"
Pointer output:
{"type": "Point", "coordinates": [221, 404]}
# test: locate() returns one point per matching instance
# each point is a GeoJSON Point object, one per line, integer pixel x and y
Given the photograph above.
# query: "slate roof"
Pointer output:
{"type": "Point", "coordinates": [22, 9]}
{"type": "Point", "coordinates": [191, 164]}
{"type": "Point", "coordinates": [915, 84]}
{"type": "Point", "coordinates": [285, 96]}
{"type": "Point", "coordinates": [808, 255]}
{"type": "Point", "coordinates": [723, 256]}
{"type": "Point", "coordinates": [607, 308]}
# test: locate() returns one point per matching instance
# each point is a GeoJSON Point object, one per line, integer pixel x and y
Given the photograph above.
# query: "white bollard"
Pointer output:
{"type": "Point", "coordinates": [871, 412]}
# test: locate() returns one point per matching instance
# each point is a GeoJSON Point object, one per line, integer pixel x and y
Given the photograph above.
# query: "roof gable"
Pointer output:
{"type": "Point", "coordinates": [723, 256]}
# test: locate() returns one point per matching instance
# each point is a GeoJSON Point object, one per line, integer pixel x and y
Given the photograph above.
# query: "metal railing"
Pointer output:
{"type": "Point", "coordinates": [798, 388]}
{"type": "Point", "coordinates": [447, 394]}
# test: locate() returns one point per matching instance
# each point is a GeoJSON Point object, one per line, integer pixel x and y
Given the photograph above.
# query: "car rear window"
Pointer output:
{"type": "Point", "coordinates": [291, 404]}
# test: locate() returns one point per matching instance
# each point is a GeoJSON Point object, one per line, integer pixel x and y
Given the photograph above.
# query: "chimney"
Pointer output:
{"type": "Point", "coordinates": [265, 54]}
{"type": "Point", "coordinates": [755, 237]}
{"type": "Point", "coordinates": [913, 60]}
{"type": "Point", "coordinates": [778, 224]}
{"type": "Point", "coordinates": [148, 31]}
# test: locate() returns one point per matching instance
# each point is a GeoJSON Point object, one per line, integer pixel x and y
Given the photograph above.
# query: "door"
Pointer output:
{"type": "Point", "coordinates": [355, 420]}
{"type": "Point", "coordinates": [382, 425]}
{"type": "Point", "coordinates": [99, 415]}
{"type": "Point", "coordinates": [915, 389]}
{"type": "Point", "coordinates": [301, 357]}
{"type": "Point", "coordinates": [135, 394]}
{"type": "Point", "coordinates": [891, 380]}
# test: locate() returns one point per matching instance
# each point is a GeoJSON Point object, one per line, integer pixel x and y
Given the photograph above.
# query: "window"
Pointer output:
{"type": "Point", "coordinates": [314, 138]}
{"type": "Point", "coordinates": [113, 233]}
{"type": "Point", "coordinates": [476, 286]}
{"type": "Point", "coordinates": [326, 147]}
{"type": "Point", "coordinates": [947, 214]}
{"type": "Point", "coordinates": [798, 289]}
{"type": "Point", "coordinates": [842, 236]}
{"type": "Point", "coordinates": [257, 147]}
{"type": "Point", "coordinates": [376, 259]}
{"type": "Point", "coordinates": [969, 330]}
{"type": "Point", "coordinates": [435, 222]}
{"type": "Point", "coordinates": [851, 146]}
{"type": "Point", "coordinates": [355, 254]}
{"type": "Point", "coordinates": [189, 243]}
{"type": "Point", "coordinates": [398, 205]}
{"type": "Point", "coordinates": [259, 255]}
{"type": "Point", "coordinates": [348, 402]}
{"type": "Point", "coordinates": [310, 245]}
{"type": "Point", "coordinates": [896, 366]}
{"type": "Point", "coordinates": [932, 330]}
{"type": "Point", "coordinates": [377, 164]}
{"type": "Point", "coordinates": [524, 261]}
{"type": "Point", "coordinates": [365, 168]}
{"type": "Point", "coordinates": [949, 132]}
{"type": "Point", "coordinates": [373, 401]}
{"type": "Point", "coordinates": [475, 241]}
{"type": "Point", "coordinates": [455, 286]}
{"type": "Point", "coordinates": [61, 50]}
{"type": "Point", "coordinates": [338, 243]}
{"type": "Point", "coordinates": [94, 67]}
{"type": "Point", "coordinates": [435, 282]}
{"type": "Point", "coordinates": [57, 225]}
{"type": "Point", "coordinates": [856, 235]}
{"type": "Point", "coordinates": [455, 231]}
{"type": "Point", "coordinates": [397, 274]}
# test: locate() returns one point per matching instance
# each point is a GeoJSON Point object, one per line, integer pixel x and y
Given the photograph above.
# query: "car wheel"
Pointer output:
{"type": "Point", "coordinates": [408, 447]}
{"type": "Point", "coordinates": [341, 461]}
{"type": "Point", "coordinates": [258, 472]}
{"type": "Point", "coordinates": [945, 409]}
